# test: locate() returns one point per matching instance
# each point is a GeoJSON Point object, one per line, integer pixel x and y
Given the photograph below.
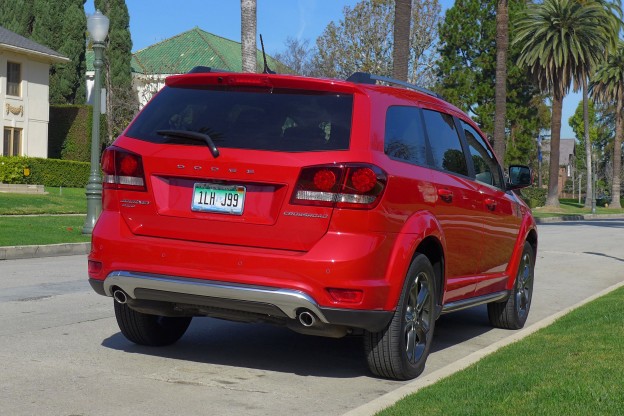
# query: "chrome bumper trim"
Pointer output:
{"type": "Point", "coordinates": [287, 300]}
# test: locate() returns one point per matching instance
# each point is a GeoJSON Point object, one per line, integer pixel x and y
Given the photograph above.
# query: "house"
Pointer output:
{"type": "Point", "coordinates": [179, 54]}
{"type": "Point", "coordinates": [24, 94]}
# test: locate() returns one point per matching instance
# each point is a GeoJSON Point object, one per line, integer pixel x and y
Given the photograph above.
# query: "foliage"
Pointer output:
{"type": "Point", "coordinates": [59, 25]}
{"type": "Point", "coordinates": [533, 196]}
{"type": "Point", "coordinates": [48, 172]}
{"type": "Point", "coordinates": [69, 132]}
{"type": "Point", "coordinates": [608, 86]}
{"type": "Point", "coordinates": [362, 41]}
{"type": "Point", "coordinates": [578, 126]}
{"type": "Point", "coordinates": [297, 57]}
{"type": "Point", "coordinates": [466, 70]}
{"type": "Point", "coordinates": [121, 101]}
{"type": "Point", "coordinates": [560, 42]}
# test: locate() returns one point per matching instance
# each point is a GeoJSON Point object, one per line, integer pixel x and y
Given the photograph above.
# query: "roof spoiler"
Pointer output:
{"type": "Point", "coordinates": [366, 78]}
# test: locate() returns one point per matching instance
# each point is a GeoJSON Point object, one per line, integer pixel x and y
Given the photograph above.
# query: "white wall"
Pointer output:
{"type": "Point", "coordinates": [34, 116]}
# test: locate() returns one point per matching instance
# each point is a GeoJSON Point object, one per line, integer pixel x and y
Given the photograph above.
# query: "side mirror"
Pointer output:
{"type": "Point", "coordinates": [519, 177]}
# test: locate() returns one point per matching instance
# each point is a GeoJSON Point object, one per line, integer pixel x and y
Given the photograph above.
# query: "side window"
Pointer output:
{"type": "Point", "coordinates": [445, 143]}
{"type": "Point", "coordinates": [405, 138]}
{"type": "Point", "coordinates": [485, 164]}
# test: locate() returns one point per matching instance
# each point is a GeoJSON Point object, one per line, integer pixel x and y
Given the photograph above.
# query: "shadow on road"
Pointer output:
{"type": "Point", "coordinates": [271, 348]}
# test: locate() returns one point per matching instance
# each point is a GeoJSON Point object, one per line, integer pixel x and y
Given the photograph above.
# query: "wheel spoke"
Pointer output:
{"type": "Point", "coordinates": [423, 295]}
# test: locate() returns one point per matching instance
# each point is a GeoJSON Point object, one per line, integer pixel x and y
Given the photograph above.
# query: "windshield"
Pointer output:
{"type": "Point", "coordinates": [279, 120]}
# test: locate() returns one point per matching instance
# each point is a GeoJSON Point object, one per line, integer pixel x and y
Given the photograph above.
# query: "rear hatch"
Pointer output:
{"type": "Point", "coordinates": [221, 155]}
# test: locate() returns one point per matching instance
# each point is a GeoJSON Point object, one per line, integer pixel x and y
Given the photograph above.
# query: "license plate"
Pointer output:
{"type": "Point", "coordinates": [222, 199]}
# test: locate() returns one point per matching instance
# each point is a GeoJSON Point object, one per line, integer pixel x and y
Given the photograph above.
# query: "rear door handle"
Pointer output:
{"type": "Point", "coordinates": [490, 204]}
{"type": "Point", "coordinates": [445, 195]}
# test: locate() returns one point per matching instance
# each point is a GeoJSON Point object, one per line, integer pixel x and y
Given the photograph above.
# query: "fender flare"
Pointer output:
{"type": "Point", "coordinates": [417, 228]}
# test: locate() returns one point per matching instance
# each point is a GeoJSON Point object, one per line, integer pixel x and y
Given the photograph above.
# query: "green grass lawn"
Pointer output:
{"type": "Point", "coordinates": [571, 207]}
{"type": "Point", "coordinates": [573, 367]}
{"type": "Point", "coordinates": [16, 230]}
{"type": "Point", "coordinates": [57, 201]}
{"type": "Point", "coordinates": [24, 231]}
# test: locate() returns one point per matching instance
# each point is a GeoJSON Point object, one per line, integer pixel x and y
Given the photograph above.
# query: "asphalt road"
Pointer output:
{"type": "Point", "coordinates": [62, 354]}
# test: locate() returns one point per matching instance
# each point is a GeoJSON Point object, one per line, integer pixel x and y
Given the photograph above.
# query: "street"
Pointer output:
{"type": "Point", "coordinates": [62, 353]}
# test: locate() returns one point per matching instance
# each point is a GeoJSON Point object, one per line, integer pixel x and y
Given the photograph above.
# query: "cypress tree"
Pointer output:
{"type": "Point", "coordinates": [121, 102]}
{"type": "Point", "coordinates": [17, 19]}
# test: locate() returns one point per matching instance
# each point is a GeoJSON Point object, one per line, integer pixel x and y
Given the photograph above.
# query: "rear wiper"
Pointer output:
{"type": "Point", "coordinates": [192, 135]}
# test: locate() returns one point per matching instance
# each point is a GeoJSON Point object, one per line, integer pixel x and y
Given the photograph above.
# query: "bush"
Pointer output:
{"type": "Point", "coordinates": [69, 132]}
{"type": "Point", "coordinates": [48, 172]}
{"type": "Point", "coordinates": [534, 197]}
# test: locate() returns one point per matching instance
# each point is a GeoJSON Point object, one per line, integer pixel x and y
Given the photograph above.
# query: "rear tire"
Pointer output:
{"type": "Point", "coordinates": [401, 349]}
{"type": "Point", "coordinates": [513, 313]}
{"type": "Point", "coordinates": [150, 330]}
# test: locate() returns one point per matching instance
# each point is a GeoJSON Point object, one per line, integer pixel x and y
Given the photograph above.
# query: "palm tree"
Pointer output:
{"type": "Point", "coordinates": [615, 12]}
{"type": "Point", "coordinates": [400, 53]}
{"type": "Point", "coordinates": [560, 39]}
{"type": "Point", "coordinates": [248, 35]}
{"type": "Point", "coordinates": [608, 86]}
{"type": "Point", "coordinates": [500, 89]}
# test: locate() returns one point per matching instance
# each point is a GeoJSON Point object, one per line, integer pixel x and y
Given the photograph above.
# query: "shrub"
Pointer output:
{"type": "Point", "coordinates": [48, 172]}
{"type": "Point", "coordinates": [69, 132]}
{"type": "Point", "coordinates": [534, 197]}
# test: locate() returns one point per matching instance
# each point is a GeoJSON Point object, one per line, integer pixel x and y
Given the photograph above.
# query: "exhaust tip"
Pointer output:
{"type": "Point", "coordinates": [307, 319]}
{"type": "Point", "coordinates": [120, 296]}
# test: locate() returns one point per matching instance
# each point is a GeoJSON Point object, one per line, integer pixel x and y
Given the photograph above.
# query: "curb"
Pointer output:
{"type": "Point", "coordinates": [51, 250]}
{"type": "Point", "coordinates": [586, 217]}
{"type": "Point", "coordinates": [389, 399]}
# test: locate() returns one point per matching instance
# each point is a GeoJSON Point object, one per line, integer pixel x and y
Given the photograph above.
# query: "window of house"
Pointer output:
{"type": "Point", "coordinates": [485, 164]}
{"type": "Point", "coordinates": [14, 79]}
{"type": "Point", "coordinates": [405, 137]}
{"type": "Point", "coordinates": [445, 143]}
{"type": "Point", "coordinates": [12, 142]}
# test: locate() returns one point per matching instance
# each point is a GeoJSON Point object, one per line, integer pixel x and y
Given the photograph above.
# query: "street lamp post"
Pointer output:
{"type": "Point", "coordinates": [97, 25]}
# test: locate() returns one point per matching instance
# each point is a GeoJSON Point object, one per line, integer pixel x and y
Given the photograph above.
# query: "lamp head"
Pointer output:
{"type": "Point", "coordinates": [97, 25]}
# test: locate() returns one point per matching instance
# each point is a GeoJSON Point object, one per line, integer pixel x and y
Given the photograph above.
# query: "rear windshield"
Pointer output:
{"type": "Point", "coordinates": [262, 120]}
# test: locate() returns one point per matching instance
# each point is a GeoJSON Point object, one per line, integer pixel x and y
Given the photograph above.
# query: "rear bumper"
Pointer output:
{"type": "Point", "coordinates": [279, 303]}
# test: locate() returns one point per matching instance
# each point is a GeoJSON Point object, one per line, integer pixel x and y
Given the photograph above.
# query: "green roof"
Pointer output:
{"type": "Point", "coordinates": [196, 47]}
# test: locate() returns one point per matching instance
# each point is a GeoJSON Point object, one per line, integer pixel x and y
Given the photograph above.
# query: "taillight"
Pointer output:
{"type": "Point", "coordinates": [350, 185]}
{"type": "Point", "coordinates": [122, 170]}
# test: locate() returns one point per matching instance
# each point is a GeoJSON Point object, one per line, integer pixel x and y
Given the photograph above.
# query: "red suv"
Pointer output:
{"type": "Point", "coordinates": [331, 207]}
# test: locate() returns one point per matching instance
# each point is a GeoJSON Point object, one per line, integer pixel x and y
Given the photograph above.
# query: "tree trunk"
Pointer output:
{"type": "Point", "coordinates": [552, 200]}
{"type": "Point", "coordinates": [617, 154]}
{"type": "Point", "coordinates": [400, 53]}
{"type": "Point", "coordinates": [588, 158]}
{"type": "Point", "coordinates": [248, 35]}
{"type": "Point", "coordinates": [500, 92]}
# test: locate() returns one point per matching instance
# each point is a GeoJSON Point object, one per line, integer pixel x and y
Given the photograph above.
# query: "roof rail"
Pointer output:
{"type": "Point", "coordinates": [366, 78]}
{"type": "Point", "coordinates": [205, 69]}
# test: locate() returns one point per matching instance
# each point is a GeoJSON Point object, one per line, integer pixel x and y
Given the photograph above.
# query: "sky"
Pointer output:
{"type": "Point", "coordinates": [152, 21]}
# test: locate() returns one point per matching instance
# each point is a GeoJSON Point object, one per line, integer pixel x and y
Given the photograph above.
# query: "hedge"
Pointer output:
{"type": "Point", "coordinates": [48, 172]}
{"type": "Point", "coordinates": [534, 197]}
{"type": "Point", "coordinates": [69, 132]}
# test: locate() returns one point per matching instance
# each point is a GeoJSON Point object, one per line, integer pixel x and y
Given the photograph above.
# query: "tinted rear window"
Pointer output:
{"type": "Point", "coordinates": [262, 120]}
